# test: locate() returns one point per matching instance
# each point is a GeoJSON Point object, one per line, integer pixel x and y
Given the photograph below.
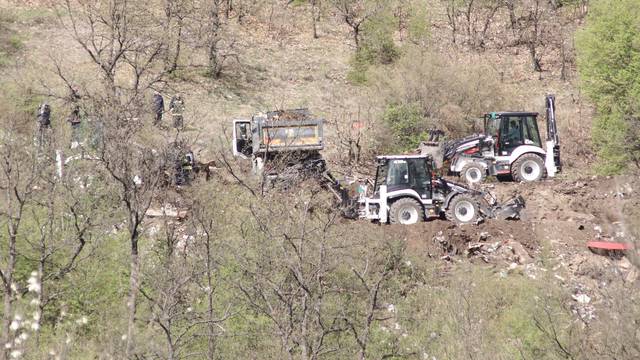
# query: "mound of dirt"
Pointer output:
{"type": "Point", "coordinates": [443, 239]}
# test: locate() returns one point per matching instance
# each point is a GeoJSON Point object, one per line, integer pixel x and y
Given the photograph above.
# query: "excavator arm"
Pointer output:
{"type": "Point", "coordinates": [553, 140]}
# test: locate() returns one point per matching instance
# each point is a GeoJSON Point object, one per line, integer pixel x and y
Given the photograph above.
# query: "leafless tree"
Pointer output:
{"type": "Point", "coordinates": [291, 292]}
{"type": "Point", "coordinates": [352, 131]}
{"type": "Point", "coordinates": [300, 272]}
{"type": "Point", "coordinates": [123, 44]}
{"type": "Point", "coordinates": [474, 17]}
{"type": "Point", "coordinates": [361, 326]}
{"type": "Point", "coordinates": [527, 22]}
{"type": "Point", "coordinates": [18, 176]}
{"type": "Point", "coordinates": [355, 13]}
{"type": "Point", "coordinates": [208, 239]}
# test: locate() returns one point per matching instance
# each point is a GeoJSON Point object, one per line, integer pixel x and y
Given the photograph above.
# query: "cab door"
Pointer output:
{"type": "Point", "coordinates": [242, 141]}
{"type": "Point", "coordinates": [510, 134]}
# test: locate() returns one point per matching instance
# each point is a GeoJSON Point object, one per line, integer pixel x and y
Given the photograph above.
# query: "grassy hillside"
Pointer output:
{"type": "Point", "coordinates": [105, 258]}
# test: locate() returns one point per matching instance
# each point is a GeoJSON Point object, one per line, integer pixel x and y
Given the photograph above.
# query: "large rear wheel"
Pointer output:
{"type": "Point", "coordinates": [473, 173]}
{"type": "Point", "coordinates": [528, 168]}
{"type": "Point", "coordinates": [463, 209]}
{"type": "Point", "coordinates": [406, 211]}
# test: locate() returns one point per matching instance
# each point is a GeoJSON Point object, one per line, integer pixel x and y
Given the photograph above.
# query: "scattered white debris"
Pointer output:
{"type": "Point", "coordinates": [581, 298]}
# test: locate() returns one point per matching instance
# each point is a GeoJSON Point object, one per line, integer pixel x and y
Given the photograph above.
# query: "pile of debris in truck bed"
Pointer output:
{"type": "Point", "coordinates": [289, 115]}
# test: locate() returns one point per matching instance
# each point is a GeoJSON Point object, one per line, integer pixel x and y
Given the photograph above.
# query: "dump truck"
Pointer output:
{"type": "Point", "coordinates": [279, 139]}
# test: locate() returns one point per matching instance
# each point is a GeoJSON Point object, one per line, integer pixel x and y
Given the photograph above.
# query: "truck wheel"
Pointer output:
{"type": "Point", "coordinates": [528, 167]}
{"type": "Point", "coordinates": [473, 173]}
{"type": "Point", "coordinates": [463, 209]}
{"type": "Point", "coordinates": [405, 211]}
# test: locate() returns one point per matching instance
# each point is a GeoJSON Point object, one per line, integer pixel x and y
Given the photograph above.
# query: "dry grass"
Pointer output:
{"type": "Point", "coordinates": [282, 66]}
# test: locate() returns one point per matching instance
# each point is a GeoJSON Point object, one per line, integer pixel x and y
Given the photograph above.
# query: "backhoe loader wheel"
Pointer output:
{"type": "Point", "coordinates": [473, 173]}
{"type": "Point", "coordinates": [405, 211]}
{"type": "Point", "coordinates": [463, 209]}
{"type": "Point", "coordinates": [528, 168]}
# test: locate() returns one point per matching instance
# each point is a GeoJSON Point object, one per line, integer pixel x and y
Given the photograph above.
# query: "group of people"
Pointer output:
{"type": "Point", "coordinates": [184, 158]}
{"type": "Point", "coordinates": [176, 109]}
{"type": "Point", "coordinates": [44, 118]}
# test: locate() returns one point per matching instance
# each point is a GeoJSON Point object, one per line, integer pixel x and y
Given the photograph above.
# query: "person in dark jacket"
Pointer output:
{"type": "Point", "coordinates": [184, 168]}
{"type": "Point", "coordinates": [44, 123]}
{"type": "Point", "coordinates": [74, 117]}
{"type": "Point", "coordinates": [158, 108]}
{"type": "Point", "coordinates": [44, 116]}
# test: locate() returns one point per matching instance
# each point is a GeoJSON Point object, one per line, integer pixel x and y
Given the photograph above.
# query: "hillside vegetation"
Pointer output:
{"type": "Point", "coordinates": [103, 257]}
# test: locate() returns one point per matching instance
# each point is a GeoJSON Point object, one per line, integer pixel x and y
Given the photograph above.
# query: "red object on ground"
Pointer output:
{"type": "Point", "coordinates": [606, 245]}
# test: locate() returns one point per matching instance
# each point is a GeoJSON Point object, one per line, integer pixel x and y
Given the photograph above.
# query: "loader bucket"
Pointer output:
{"type": "Point", "coordinates": [510, 209]}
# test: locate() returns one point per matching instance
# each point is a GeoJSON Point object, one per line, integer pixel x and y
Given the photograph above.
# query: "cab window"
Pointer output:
{"type": "Point", "coordinates": [531, 134]}
{"type": "Point", "coordinates": [398, 173]}
{"type": "Point", "coordinates": [512, 130]}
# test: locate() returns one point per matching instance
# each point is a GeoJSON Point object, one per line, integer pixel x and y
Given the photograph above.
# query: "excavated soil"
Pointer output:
{"type": "Point", "coordinates": [560, 217]}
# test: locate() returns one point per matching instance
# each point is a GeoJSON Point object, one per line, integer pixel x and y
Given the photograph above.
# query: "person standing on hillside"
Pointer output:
{"type": "Point", "coordinates": [158, 108]}
{"type": "Point", "coordinates": [44, 116]}
{"type": "Point", "coordinates": [74, 117]}
{"type": "Point", "coordinates": [44, 122]}
{"type": "Point", "coordinates": [176, 107]}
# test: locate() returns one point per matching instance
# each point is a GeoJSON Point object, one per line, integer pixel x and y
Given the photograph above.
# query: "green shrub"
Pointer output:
{"type": "Point", "coordinates": [407, 124]}
{"type": "Point", "coordinates": [376, 48]}
{"type": "Point", "coordinates": [425, 90]}
{"type": "Point", "coordinates": [609, 63]}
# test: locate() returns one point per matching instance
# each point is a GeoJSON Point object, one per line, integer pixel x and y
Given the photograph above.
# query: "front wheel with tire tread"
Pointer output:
{"type": "Point", "coordinates": [463, 209]}
{"type": "Point", "coordinates": [473, 173]}
{"type": "Point", "coordinates": [406, 211]}
{"type": "Point", "coordinates": [528, 168]}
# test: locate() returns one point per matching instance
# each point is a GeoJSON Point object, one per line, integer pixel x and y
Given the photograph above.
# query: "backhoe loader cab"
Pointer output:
{"type": "Point", "coordinates": [512, 129]}
{"type": "Point", "coordinates": [406, 192]}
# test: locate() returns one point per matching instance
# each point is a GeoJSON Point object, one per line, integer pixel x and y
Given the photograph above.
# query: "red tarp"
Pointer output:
{"type": "Point", "coordinates": [609, 245]}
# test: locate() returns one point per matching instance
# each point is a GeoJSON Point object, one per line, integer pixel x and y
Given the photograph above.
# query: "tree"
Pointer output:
{"type": "Point", "coordinates": [315, 10]}
{"type": "Point", "coordinates": [129, 56]}
{"type": "Point", "coordinates": [473, 17]}
{"type": "Point", "coordinates": [608, 63]}
{"type": "Point", "coordinates": [18, 175]}
{"type": "Point", "coordinates": [356, 13]}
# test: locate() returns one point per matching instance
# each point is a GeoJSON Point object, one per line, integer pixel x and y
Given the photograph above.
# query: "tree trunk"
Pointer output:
{"type": "Point", "coordinates": [133, 287]}
{"type": "Point", "coordinates": [534, 57]}
{"type": "Point", "coordinates": [211, 343]}
{"type": "Point", "coordinates": [315, 17]}
{"type": "Point", "coordinates": [214, 38]}
{"type": "Point", "coordinates": [563, 56]}
{"type": "Point", "coordinates": [176, 56]}
{"type": "Point", "coordinates": [7, 312]}
{"type": "Point", "coordinates": [356, 36]}
{"type": "Point", "coordinates": [228, 8]}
